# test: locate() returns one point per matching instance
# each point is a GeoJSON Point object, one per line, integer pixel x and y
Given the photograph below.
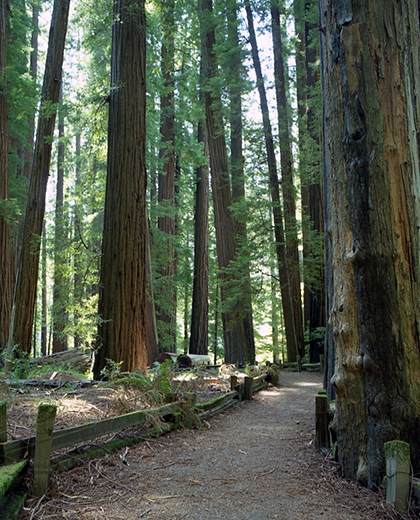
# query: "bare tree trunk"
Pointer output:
{"type": "Point", "coordinates": [371, 120]}
{"type": "Point", "coordinates": [235, 335]}
{"type": "Point", "coordinates": [200, 302]}
{"type": "Point", "coordinates": [286, 296]}
{"type": "Point", "coordinates": [236, 72]}
{"type": "Point", "coordinates": [59, 312]}
{"type": "Point", "coordinates": [152, 340]}
{"type": "Point", "coordinates": [77, 230]}
{"type": "Point", "coordinates": [288, 189]}
{"type": "Point", "coordinates": [27, 276]}
{"type": "Point", "coordinates": [6, 261]}
{"type": "Point", "coordinates": [44, 303]}
{"type": "Point", "coordinates": [122, 292]}
{"type": "Point", "coordinates": [166, 295]}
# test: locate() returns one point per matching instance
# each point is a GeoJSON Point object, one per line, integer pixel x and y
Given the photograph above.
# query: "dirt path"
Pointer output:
{"type": "Point", "coordinates": [255, 462]}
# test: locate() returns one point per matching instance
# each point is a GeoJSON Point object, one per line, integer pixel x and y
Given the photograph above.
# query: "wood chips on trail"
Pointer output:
{"type": "Point", "coordinates": [254, 462]}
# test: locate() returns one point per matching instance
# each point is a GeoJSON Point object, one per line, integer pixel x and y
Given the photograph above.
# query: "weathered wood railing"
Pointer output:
{"type": "Point", "coordinates": [185, 413]}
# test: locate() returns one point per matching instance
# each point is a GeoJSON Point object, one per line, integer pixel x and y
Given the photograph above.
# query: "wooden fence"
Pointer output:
{"type": "Point", "coordinates": [185, 413]}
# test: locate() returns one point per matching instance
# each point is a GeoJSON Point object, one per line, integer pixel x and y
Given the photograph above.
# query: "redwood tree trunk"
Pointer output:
{"type": "Point", "coordinates": [282, 263]}
{"type": "Point", "coordinates": [199, 337]}
{"type": "Point", "coordinates": [234, 333]}
{"type": "Point", "coordinates": [27, 276]}
{"type": "Point", "coordinates": [165, 291]}
{"type": "Point", "coordinates": [288, 189]}
{"type": "Point", "coordinates": [122, 293]}
{"type": "Point", "coordinates": [236, 73]}
{"type": "Point", "coordinates": [370, 64]}
{"type": "Point", "coordinates": [6, 261]}
{"type": "Point", "coordinates": [60, 292]}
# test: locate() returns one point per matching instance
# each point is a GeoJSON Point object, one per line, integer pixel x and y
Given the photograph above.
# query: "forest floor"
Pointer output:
{"type": "Point", "coordinates": [257, 461]}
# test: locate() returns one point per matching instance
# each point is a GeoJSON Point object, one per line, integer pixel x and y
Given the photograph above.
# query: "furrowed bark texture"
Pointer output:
{"type": "Point", "coordinates": [27, 276]}
{"type": "Point", "coordinates": [371, 121]}
{"type": "Point", "coordinates": [122, 293]}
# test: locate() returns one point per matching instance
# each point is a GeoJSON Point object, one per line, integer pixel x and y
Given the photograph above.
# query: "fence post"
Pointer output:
{"type": "Point", "coordinates": [3, 421]}
{"type": "Point", "coordinates": [321, 420]}
{"type": "Point", "coordinates": [170, 397]}
{"type": "Point", "coordinates": [397, 456]}
{"type": "Point", "coordinates": [275, 376]}
{"type": "Point", "coordinates": [233, 382]}
{"type": "Point", "coordinates": [299, 363]}
{"type": "Point", "coordinates": [321, 363]}
{"type": "Point", "coordinates": [188, 414]}
{"type": "Point", "coordinates": [248, 384]}
{"type": "Point", "coordinates": [44, 429]}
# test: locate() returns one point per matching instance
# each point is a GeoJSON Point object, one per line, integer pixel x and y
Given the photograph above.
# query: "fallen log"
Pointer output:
{"type": "Point", "coordinates": [185, 360]}
{"type": "Point", "coordinates": [74, 358]}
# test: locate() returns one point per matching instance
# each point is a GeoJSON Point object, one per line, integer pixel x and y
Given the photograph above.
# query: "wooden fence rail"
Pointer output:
{"type": "Point", "coordinates": [185, 413]}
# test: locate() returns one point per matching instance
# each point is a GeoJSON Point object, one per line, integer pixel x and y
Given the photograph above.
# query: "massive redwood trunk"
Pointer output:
{"type": "Point", "coordinates": [371, 81]}
{"type": "Point", "coordinates": [122, 293]}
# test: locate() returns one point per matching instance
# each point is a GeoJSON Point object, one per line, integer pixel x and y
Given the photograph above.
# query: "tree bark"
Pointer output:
{"type": "Point", "coordinates": [6, 260]}
{"type": "Point", "coordinates": [165, 290]}
{"type": "Point", "coordinates": [288, 189]}
{"type": "Point", "coordinates": [235, 336]}
{"type": "Point", "coordinates": [59, 311]}
{"type": "Point", "coordinates": [370, 65]}
{"type": "Point", "coordinates": [236, 73]}
{"type": "Point", "coordinates": [27, 276]}
{"type": "Point", "coordinates": [199, 338]}
{"type": "Point", "coordinates": [122, 292]}
{"type": "Point", "coordinates": [152, 340]}
{"type": "Point", "coordinates": [286, 296]}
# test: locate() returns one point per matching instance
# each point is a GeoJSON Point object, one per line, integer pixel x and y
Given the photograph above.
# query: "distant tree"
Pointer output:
{"type": "Point", "coordinates": [122, 290]}
{"type": "Point", "coordinates": [6, 262]}
{"type": "Point", "coordinates": [282, 260]}
{"type": "Point", "coordinates": [27, 275]}
{"type": "Point", "coordinates": [165, 292]}
{"type": "Point", "coordinates": [287, 182]}
{"type": "Point", "coordinates": [60, 291]}
{"type": "Point", "coordinates": [200, 305]}
{"type": "Point", "coordinates": [235, 332]}
{"type": "Point", "coordinates": [236, 86]}
{"type": "Point", "coordinates": [308, 91]}
{"type": "Point", "coordinates": [371, 117]}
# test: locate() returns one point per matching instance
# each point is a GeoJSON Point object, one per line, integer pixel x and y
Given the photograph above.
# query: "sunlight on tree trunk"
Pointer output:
{"type": "Point", "coordinates": [122, 290]}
